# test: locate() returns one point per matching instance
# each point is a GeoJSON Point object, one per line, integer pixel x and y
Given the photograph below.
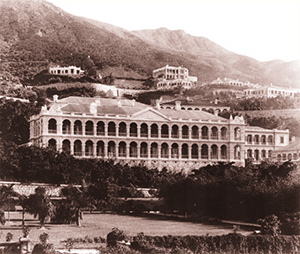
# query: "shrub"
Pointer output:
{"type": "Point", "coordinates": [270, 225]}
{"type": "Point", "coordinates": [231, 243]}
{"type": "Point", "coordinates": [114, 236]}
{"type": "Point", "coordinates": [9, 237]}
{"type": "Point", "coordinates": [2, 217]}
{"type": "Point", "coordinates": [43, 247]}
{"type": "Point", "coordinates": [291, 224]}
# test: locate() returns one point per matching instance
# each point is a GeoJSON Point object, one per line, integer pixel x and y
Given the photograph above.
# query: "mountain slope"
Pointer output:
{"type": "Point", "coordinates": [36, 34]}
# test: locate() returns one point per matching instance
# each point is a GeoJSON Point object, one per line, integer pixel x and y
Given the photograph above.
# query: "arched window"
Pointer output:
{"type": "Point", "coordinates": [184, 151]}
{"type": "Point", "coordinates": [89, 128]}
{"type": "Point", "coordinates": [111, 149]}
{"type": "Point", "coordinates": [263, 154]}
{"type": "Point", "coordinates": [223, 152]}
{"type": "Point", "coordinates": [122, 149]}
{"type": "Point", "coordinates": [89, 148]}
{"type": "Point", "coordinates": [144, 130]}
{"type": "Point", "coordinates": [214, 152]}
{"type": "Point", "coordinates": [66, 127]}
{"type": "Point", "coordinates": [77, 148]}
{"type": "Point", "coordinates": [165, 131]}
{"type": "Point", "coordinates": [133, 130]}
{"type": "Point", "coordinates": [111, 129]}
{"type": "Point", "coordinates": [290, 156]}
{"type": "Point", "coordinates": [122, 129]}
{"type": "Point", "coordinates": [66, 146]}
{"type": "Point", "coordinates": [237, 133]}
{"type": "Point", "coordinates": [237, 152]}
{"type": "Point", "coordinates": [284, 157]}
{"type": "Point", "coordinates": [174, 151]}
{"type": "Point", "coordinates": [211, 111]}
{"type": "Point", "coordinates": [214, 132]}
{"type": "Point", "coordinates": [100, 149]}
{"type": "Point", "coordinates": [256, 139]}
{"type": "Point", "coordinates": [195, 151]}
{"type": "Point", "coordinates": [154, 131]}
{"type": "Point", "coordinates": [100, 128]}
{"type": "Point", "coordinates": [270, 154]}
{"type": "Point", "coordinates": [195, 132]}
{"type": "Point", "coordinates": [278, 157]}
{"type": "Point", "coordinates": [164, 150]}
{"type": "Point", "coordinates": [174, 133]}
{"type": "Point", "coordinates": [204, 132]}
{"type": "Point", "coordinates": [270, 140]}
{"type": "Point", "coordinates": [77, 128]}
{"type": "Point", "coordinates": [52, 126]}
{"type": "Point", "coordinates": [295, 156]}
{"type": "Point", "coordinates": [249, 153]}
{"type": "Point", "coordinates": [256, 154]}
{"type": "Point", "coordinates": [249, 138]}
{"type": "Point", "coordinates": [204, 152]}
{"type": "Point", "coordinates": [52, 144]}
{"type": "Point", "coordinates": [223, 133]}
{"type": "Point", "coordinates": [154, 150]}
{"type": "Point", "coordinates": [263, 139]}
{"type": "Point", "coordinates": [133, 150]}
{"type": "Point", "coordinates": [144, 150]}
{"type": "Point", "coordinates": [185, 132]}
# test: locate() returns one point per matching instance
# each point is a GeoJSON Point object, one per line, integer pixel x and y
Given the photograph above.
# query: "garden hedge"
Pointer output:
{"type": "Point", "coordinates": [231, 243]}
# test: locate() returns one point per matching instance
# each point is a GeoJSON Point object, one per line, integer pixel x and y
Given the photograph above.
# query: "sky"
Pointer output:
{"type": "Point", "coordinates": [262, 29]}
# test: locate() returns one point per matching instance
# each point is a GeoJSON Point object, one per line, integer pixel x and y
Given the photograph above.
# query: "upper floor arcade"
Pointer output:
{"type": "Point", "coordinates": [135, 129]}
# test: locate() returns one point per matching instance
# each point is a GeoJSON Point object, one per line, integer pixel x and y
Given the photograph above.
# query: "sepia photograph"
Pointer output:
{"type": "Point", "coordinates": [150, 126]}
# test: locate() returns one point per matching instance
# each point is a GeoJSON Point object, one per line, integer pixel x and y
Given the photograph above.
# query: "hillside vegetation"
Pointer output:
{"type": "Point", "coordinates": [37, 34]}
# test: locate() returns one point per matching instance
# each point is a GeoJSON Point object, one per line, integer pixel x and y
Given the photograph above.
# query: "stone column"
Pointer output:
{"type": "Point", "coordinates": [94, 149]}
{"type": "Point", "coordinates": [127, 151]}
{"type": "Point", "coordinates": [138, 131]}
{"type": "Point", "coordinates": [105, 149]}
{"type": "Point", "coordinates": [138, 151]}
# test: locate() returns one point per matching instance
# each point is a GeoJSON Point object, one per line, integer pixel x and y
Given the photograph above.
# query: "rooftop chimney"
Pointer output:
{"type": "Point", "coordinates": [55, 98]}
{"type": "Point", "coordinates": [98, 102]}
{"type": "Point", "coordinates": [177, 105]}
{"type": "Point", "coordinates": [93, 108]}
{"type": "Point", "coordinates": [157, 104]}
{"type": "Point", "coordinates": [119, 103]}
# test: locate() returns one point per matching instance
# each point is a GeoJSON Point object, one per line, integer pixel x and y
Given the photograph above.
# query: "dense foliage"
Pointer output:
{"type": "Point", "coordinates": [238, 193]}
{"type": "Point", "coordinates": [231, 243]}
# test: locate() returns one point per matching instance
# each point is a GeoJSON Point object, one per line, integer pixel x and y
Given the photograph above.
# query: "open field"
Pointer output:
{"type": "Point", "coordinates": [95, 225]}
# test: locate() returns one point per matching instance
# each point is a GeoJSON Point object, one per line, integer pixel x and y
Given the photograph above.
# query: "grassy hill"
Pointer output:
{"type": "Point", "coordinates": [36, 34]}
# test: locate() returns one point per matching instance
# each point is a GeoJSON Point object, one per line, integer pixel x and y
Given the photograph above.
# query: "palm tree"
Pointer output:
{"type": "Point", "coordinates": [6, 193]}
{"type": "Point", "coordinates": [40, 206]}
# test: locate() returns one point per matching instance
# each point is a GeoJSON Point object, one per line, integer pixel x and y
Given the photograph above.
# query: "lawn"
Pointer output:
{"type": "Point", "coordinates": [95, 225]}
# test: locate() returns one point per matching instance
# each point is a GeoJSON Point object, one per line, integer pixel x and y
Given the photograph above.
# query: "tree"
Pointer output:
{"type": "Point", "coordinates": [23, 201]}
{"type": "Point", "coordinates": [76, 198]}
{"type": "Point", "coordinates": [40, 206]}
{"type": "Point", "coordinates": [6, 193]}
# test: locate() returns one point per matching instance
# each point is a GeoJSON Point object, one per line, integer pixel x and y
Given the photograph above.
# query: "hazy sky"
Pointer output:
{"type": "Point", "coordinates": [265, 30]}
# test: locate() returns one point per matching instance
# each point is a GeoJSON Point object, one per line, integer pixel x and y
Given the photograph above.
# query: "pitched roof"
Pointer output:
{"type": "Point", "coordinates": [107, 106]}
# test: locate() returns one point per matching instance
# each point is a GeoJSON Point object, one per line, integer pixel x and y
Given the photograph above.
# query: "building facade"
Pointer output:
{"type": "Point", "coordinates": [66, 71]}
{"type": "Point", "coordinates": [170, 77]}
{"type": "Point", "coordinates": [270, 92]}
{"type": "Point", "coordinates": [229, 81]}
{"type": "Point", "coordinates": [135, 133]}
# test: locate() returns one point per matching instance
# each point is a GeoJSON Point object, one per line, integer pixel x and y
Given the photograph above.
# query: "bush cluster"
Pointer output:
{"type": "Point", "coordinates": [231, 243]}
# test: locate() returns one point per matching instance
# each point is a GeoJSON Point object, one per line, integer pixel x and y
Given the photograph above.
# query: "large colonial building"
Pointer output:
{"type": "Point", "coordinates": [66, 71]}
{"type": "Point", "coordinates": [272, 91]}
{"type": "Point", "coordinates": [170, 77]}
{"type": "Point", "coordinates": [131, 132]}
